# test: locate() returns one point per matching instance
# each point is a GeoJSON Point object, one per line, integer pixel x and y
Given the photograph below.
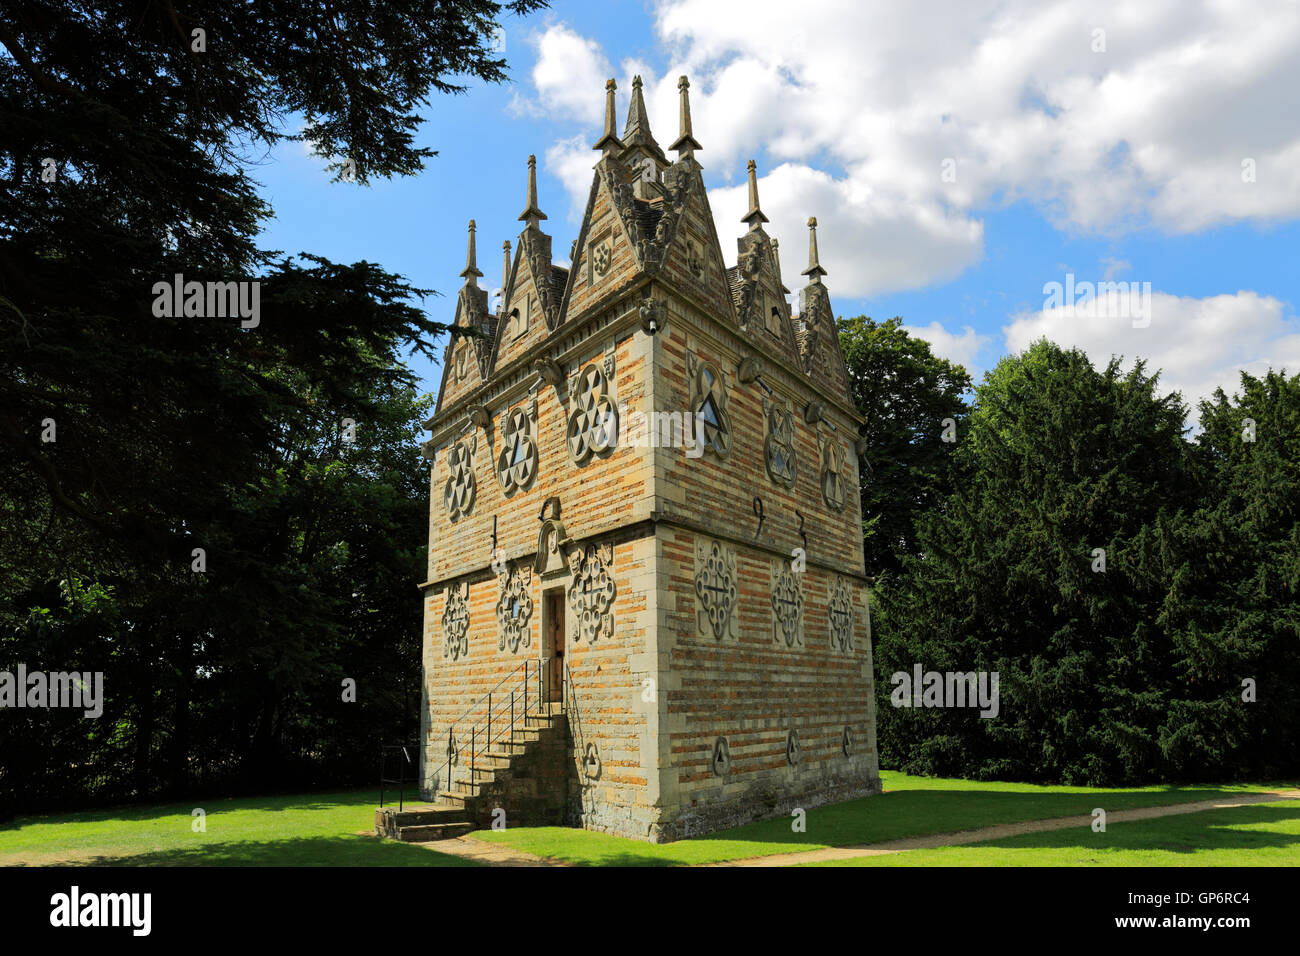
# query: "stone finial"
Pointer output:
{"type": "Point", "coordinates": [776, 259]}
{"type": "Point", "coordinates": [637, 131]}
{"type": "Point", "coordinates": [814, 272]}
{"type": "Point", "coordinates": [755, 215]}
{"type": "Point", "coordinates": [609, 142]}
{"type": "Point", "coordinates": [505, 268]}
{"type": "Point", "coordinates": [685, 144]}
{"type": "Point", "coordinates": [531, 215]}
{"type": "Point", "coordinates": [470, 273]}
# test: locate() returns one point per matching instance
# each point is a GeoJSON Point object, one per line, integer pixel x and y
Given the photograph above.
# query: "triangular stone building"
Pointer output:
{"type": "Point", "coordinates": [646, 609]}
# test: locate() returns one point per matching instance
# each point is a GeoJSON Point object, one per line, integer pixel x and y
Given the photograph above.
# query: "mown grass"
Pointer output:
{"type": "Point", "coordinates": [335, 829]}
{"type": "Point", "coordinates": [910, 806]}
{"type": "Point", "coordinates": [323, 829]}
{"type": "Point", "coordinates": [1263, 834]}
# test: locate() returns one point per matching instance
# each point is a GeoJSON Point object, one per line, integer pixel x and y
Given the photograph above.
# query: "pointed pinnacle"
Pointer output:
{"type": "Point", "coordinates": [470, 273]}
{"type": "Point", "coordinates": [755, 215]}
{"type": "Point", "coordinates": [776, 258]}
{"type": "Point", "coordinates": [814, 270]}
{"type": "Point", "coordinates": [609, 142]}
{"type": "Point", "coordinates": [505, 266]}
{"type": "Point", "coordinates": [531, 214]}
{"type": "Point", "coordinates": [637, 131]}
{"type": "Point", "coordinates": [685, 144]}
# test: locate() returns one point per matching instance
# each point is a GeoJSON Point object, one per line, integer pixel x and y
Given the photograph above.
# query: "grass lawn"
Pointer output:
{"type": "Point", "coordinates": [1264, 834]}
{"type": "Point", "coordinates": [910, 806]}
{"type": "Point", "coordinates": [334, 829]}
{"type": "Point", "coordinates": [323, 829]}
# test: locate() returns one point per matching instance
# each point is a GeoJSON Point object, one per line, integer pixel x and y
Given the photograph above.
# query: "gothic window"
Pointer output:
{"type": "Point", "coordinates": [458, 493]}
{"type": "Point", "coordinates": [455, 622]}
{"type": "Point", "coordinates": [593, 424]}
{"type": "Point", "coordinates": [514, 609]}
{"type": "Point", "coordinates": [709, 402]}
{"type": "Point", "coordinates": [591, 594]}
{"type": "Point", "coordinates": [517, 463]}
{"type": "Point", "coordinates": [840, 615]}
{"type": "Point", "coordinates": [787, 605]}
{"type": "Point", "coordinates": [715, 588]}
{"type": "Point", "coordinates": [778, 448]}
{"type": "Point", "coordinates": [833, 479]}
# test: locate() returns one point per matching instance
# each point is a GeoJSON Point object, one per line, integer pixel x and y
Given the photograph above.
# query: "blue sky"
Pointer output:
{"type": "Point", "coordinates": [958, 157]}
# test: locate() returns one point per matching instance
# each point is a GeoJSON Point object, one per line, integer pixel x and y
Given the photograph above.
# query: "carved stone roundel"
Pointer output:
{"type": "Point", "coordinates": [517, 463]}
{"type": "Point", "coordinates": [458, 493]}
{"type": "Point", "coordinates": [593, 424]}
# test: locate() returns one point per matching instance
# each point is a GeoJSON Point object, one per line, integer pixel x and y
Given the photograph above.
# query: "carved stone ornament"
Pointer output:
{"type": "Point", "coordinates": [793, 750]}
{"type": "Point", "coordinates": [602, 256]}
{"type": "Point", "coordinates": [593, 423]}
{"type": "Point", "coordinates": [721, 759]}
{"type": "Point", "coordinates": [591, 593]}
{"type": "Point", "coordinates": [591, 762]}
{"type": "Point", "coordinates": [787, 605]}
{"type": "Point", "coordinates": [778, 447]}
{"type": "Point", "coordinates": [710, 416]}
{"type": "Point", "coordinates": [455, 622]}
{"type": "Point", "coordinates": [846, 742]}
{"type": "Point", "coordinates": [840, 614]}
{"type": "Point", "coordinates": [517, 463]}
{"type": "Point", "coordinates": [514, 609]}
{"type": "Point", "coordinates": [834, 481]}
{"type": "Point", "coordinates": [458, 492]}
{"type": "Point", "coordinates": [654, 316]}
{"type": "Point", "coordinates": [716, 589]}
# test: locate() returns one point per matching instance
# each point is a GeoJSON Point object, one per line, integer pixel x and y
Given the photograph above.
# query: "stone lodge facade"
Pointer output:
{"type": "Point", "coordinates": [645, 532]}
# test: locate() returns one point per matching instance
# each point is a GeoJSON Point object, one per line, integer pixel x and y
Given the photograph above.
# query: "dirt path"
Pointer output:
{"type": "Point", "coordinates": [492, 854]}
{"type": "Point", "coordinates": [1002, 830]}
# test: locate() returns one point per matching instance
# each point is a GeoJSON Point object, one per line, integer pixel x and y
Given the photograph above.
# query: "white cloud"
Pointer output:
{"type": "Point", "coordinates": [1152, 131]}
{"type": "Point", "coordinates": [956, 348]}
{"type": "Point", "coordinates": [1199, 344]}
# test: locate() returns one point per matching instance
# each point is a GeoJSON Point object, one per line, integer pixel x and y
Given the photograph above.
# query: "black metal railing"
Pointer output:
{"type": "Point", "coordinates": [506, 707]}
{"type": "Point", "coordinates": [402, 757]}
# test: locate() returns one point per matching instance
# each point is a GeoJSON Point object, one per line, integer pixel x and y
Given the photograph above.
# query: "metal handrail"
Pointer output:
{"type": "Point", "coordinates": [402, 780]}
{"type": "Point", "coordinates": [474, 748]}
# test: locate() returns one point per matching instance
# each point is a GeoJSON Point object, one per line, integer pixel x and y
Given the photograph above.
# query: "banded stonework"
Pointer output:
{"type": "Point", "coordinates": [684, 673]}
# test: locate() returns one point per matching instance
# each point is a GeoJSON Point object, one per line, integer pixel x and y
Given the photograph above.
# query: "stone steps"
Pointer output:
{"type": "Point", "coordinates": [505, 777]}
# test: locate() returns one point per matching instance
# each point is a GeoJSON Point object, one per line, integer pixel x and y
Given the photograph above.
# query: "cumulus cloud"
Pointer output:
{"type": "Point", "coordinates": [1199, 344]}
{"type": "Point", "coordinates": [961, 349]}
{"type": "Point", "coordinates": [898, 125]}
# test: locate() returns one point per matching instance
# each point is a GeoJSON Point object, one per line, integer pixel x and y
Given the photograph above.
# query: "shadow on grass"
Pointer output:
{"type": "Point", "coordinates": [131, 814]}
{"type": "Point", "coordinates": [298, 851]}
